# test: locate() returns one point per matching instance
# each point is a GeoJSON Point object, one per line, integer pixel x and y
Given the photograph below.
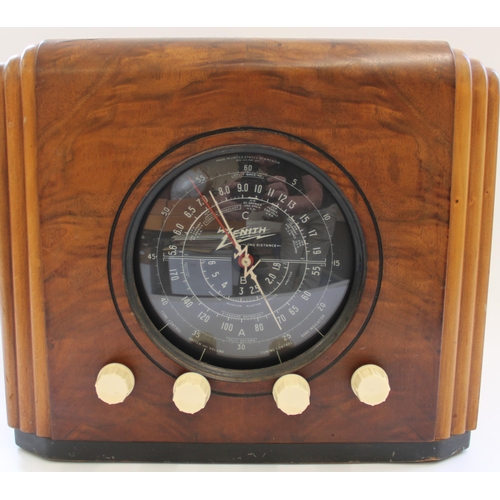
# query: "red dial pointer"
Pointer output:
{"type": "Point", "coordinates": [204, 199]}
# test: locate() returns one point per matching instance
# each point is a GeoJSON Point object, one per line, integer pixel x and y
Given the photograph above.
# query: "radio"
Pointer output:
{"type": "Point", "coordinates": [245, 251]}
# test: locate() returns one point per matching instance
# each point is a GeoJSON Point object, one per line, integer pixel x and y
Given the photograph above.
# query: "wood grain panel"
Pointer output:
{"type": "Point", "coordinates": [6, 287]}
{"type": "Point", "coordinates": [109, 125]}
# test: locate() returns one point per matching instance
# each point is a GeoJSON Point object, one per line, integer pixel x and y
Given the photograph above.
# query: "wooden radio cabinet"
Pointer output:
{"type": "Point", "coordinates": [245, 251]}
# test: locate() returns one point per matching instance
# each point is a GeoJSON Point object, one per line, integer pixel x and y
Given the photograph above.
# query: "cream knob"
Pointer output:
{"type": "Point", "coordinates": [291, 393]}
{"type": "Point", "coordinates": [370, 383]}
{"type": "Point", "coordinates": [191, 392]}
{"type": "Point", "coordinates": [114, 383]}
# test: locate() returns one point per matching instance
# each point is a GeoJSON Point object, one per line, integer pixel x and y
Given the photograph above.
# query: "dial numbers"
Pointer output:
{"type": "Point", "coordinates": [245, 260]}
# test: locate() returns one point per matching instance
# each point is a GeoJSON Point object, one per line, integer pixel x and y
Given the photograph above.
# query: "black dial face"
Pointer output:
{"type": "Point", "coordinates": [244, 259]}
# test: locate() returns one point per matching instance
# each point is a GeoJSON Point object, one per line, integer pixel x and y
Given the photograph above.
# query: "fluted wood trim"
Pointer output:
{"type": "Point", "coordinates": [471, 247]}
{"type": "Point", "coordinates": [34, 247]}
{"type": "Point", "coordinates": [17, 202]}
{"type": "Point", "coordinates": [485, 247]}
{"type": "Point", "coordinates": [456, 241]}
{"type": "Point", "coordinates": [6, 297]}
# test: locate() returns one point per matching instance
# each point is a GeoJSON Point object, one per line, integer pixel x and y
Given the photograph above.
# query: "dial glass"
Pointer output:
{"type": "Point", "coordinates": [245, 259]}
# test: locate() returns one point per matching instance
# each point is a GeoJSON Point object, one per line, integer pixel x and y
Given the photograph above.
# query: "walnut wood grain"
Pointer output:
{"type": "Point", "coordinates": [106, 117]}
{"type": "Point", "coordinates": [6, 292]}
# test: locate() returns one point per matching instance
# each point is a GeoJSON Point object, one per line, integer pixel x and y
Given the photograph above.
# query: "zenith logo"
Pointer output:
{"type": "Point", "coordinates": [244, 234]}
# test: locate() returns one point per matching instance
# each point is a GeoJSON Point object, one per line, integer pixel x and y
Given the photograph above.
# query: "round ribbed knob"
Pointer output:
{"type": "Point", "coordinates": [291, 393]}
{"type": "Point", "coordinates": [114, 383]}
{"type": "Point", "coordinates": [191, 392]}
{"type": "Point", "coordinates": [370, 383]}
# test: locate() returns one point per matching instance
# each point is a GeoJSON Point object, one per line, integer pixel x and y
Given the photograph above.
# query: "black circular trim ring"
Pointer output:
{"type": "Point", "coordinates": [343, 314]}
{"type": "Point", "coordinates": [243, 129]}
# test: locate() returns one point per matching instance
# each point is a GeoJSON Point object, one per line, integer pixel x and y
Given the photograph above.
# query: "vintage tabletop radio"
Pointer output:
{"type": "Point", "coordinates": [245, 251]}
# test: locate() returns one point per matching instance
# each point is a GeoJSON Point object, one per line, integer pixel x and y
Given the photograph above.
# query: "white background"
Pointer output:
{"type": "Point", "coordinates": [479, 43]}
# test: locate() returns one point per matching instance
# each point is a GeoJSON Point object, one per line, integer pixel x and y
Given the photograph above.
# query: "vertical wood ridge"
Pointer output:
{"type": "Point", "coordinates": [471, 255]}
{"type": "Point", "coordinates": [470, 240]}
{"type": "Point", "coordinates": [19, 247]}
{"type": "Point", "coordinates": [39, 345]}
{"type": "Point", "coordinates": [490, 162]}
{"type": "Point", "coordinates": [456, 242]}
{"type": "Point", "coordinates": [6, 296]}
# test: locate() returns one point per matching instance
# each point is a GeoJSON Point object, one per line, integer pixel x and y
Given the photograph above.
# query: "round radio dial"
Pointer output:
{"type": "Point", "coordinates": [245, 262]}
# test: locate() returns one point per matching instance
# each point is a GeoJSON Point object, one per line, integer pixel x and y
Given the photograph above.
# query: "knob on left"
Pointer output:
{"type": "Point", "coordinates": [114, 383]}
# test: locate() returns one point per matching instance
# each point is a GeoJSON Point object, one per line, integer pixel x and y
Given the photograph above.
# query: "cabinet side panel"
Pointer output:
{"type": "Point", "coordinates": [39, 344]}
{"type": "Point", "coordinates": [19, 248]}
{"type": "Point", "coordinates": [485, 248]}
{"type": "Point", "coordinates": [456, 240]}
{"type": "Point", "coordinates": [6, 299]}
{"type": "Point", "coordinates": [472, 237]}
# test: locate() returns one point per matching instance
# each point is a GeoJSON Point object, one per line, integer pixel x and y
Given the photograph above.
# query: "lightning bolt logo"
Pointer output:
{"type": "Point", "coordinates": [244, 234]}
